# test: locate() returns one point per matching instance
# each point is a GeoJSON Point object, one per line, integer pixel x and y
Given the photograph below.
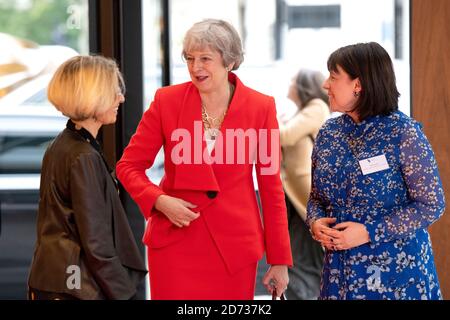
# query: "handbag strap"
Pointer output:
{"type": "Point", "coordinates": [274, 295]}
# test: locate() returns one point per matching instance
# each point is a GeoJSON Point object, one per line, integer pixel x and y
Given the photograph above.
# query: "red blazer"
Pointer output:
{"type": "Point", "coordinates": [224, 193]}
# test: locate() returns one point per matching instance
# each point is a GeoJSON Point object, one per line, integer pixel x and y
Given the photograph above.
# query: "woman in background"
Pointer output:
{"type": "Point", "coordinates": [297, 140]}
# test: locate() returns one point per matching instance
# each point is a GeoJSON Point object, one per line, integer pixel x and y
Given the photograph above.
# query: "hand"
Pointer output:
{"type": "Point", "coordinates": [276, 276]}
{"type": "Point", "coordinates": [318, 231]}
{"type": "Point", "coordinates": [176, 210]}
{"type": "Point", "coordinates": [347, 235]}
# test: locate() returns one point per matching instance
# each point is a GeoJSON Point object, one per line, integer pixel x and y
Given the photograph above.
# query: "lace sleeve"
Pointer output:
{"type": "Point", "coordinates": [421, 177]}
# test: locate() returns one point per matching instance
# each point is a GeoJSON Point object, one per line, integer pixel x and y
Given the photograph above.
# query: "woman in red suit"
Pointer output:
{"type": "Point", "coordinates": [204, 231]}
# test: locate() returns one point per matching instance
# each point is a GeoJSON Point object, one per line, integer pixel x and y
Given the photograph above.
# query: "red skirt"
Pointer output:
{"type": "Point", "coordinates": [193, 269]}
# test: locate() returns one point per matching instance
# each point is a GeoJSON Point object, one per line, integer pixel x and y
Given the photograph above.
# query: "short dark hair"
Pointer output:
{"type": "Point", "coordinates": [372, 65]}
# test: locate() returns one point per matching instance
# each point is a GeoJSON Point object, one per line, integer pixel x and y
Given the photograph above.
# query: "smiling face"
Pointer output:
{"type": "Point", "coordinates": [341, 90]}
{"type": "Point", "coordinates": [206, 69]}
{"type": "Point", "coordinates": [109, 116]}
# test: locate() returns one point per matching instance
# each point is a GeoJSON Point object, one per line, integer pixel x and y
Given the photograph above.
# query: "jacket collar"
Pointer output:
{"type": "Point", "coordinates": [89, 138]}
{"type": "Point", "coordinates": [86, 135]}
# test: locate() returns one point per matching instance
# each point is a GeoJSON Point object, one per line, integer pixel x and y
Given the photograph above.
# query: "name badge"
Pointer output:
{"type": "Point", "coordinates": [374, 164]}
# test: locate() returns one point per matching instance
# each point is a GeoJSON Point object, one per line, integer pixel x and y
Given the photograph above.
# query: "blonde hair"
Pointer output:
{"type": "Point", "coordinates": [85, 86]}
{"type": "Point", "coordinates": [218, 35]}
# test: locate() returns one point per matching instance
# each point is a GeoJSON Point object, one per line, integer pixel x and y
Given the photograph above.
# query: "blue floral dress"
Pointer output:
{"type": "Point", "coordinates": [396, 205]}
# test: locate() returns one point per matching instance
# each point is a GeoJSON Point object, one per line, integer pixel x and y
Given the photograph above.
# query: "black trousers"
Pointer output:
{"type": "Point", "coordinates": [307, 253]}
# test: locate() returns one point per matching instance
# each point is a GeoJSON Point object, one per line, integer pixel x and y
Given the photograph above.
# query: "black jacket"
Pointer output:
{"type": "Point", "coordinates": [82, 224]}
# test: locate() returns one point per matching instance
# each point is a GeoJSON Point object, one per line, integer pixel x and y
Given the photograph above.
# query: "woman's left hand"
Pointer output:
{"type": "Point", "coordinates": [347, 235]}
{"type": "Point", "coordinates": [276, 276]}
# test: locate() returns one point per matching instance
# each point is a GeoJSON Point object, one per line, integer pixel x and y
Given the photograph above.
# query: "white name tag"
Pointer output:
{"type": "Point", "coordinates": [375, 164]}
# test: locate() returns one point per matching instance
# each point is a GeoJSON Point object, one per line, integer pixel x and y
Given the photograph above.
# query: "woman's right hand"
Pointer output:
{"type": "Point", "coordinates": [176, 210]}
{"type": "Point", "coordinates": [320, 229]}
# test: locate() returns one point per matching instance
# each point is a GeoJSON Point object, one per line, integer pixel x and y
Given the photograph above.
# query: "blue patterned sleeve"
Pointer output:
{"type": "Point", "coordinates": [421, 177]}
{"type": "Point", "coordinates": [315, 207]}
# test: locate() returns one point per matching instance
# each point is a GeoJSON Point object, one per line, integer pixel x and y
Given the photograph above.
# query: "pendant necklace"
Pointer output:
{"type": "Point", "coordinates": [212, 124]}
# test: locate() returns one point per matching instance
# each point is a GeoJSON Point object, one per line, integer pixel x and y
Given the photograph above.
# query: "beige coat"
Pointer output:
{"type": "Point", "coordinates": [297, 149]}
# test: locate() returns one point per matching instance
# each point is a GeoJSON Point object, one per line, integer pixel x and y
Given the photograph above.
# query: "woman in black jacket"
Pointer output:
{"type": "Point", "coordinates": [85, 248]}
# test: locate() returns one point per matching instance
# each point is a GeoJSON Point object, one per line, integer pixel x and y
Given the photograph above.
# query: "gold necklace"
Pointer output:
{"type": "Point", "coordinates": [211, 121]}
{"type": "Point", "coordinates": [212, 125]}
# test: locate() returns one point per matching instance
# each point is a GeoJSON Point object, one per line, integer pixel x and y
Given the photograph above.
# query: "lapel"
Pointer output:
{"type": "Point", "coordinates": [234, 117]}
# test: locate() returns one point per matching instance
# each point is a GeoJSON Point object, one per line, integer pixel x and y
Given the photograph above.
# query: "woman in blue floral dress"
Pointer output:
{"type": "Point", "coordinates": [376, 187]}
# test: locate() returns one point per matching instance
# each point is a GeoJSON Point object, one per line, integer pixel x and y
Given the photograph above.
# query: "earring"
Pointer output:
{"type": "Point", "coordinates": [228, 69]}
{"type": "Point", "coordinates": [356, 94]}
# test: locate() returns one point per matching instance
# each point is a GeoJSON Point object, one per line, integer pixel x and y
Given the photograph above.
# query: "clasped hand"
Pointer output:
{"type": "Point", "coordinates": [177, 210]}
{"type": "Point", "coordinates": [342, 236]}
